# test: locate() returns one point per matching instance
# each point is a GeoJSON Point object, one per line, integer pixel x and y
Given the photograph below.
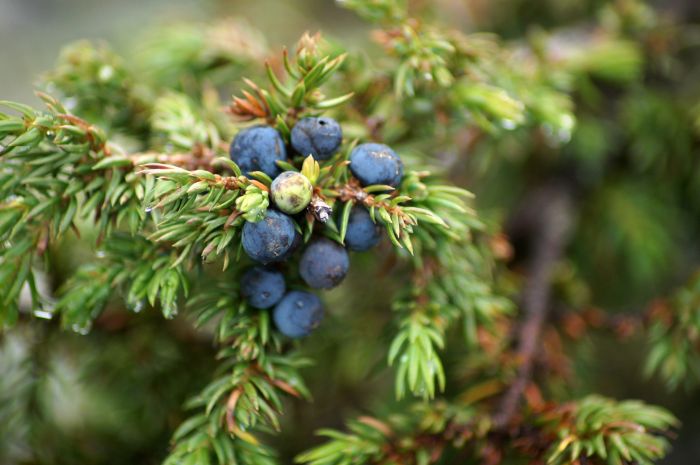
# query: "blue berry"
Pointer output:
{"type": "Point", "coordinates": [298, 313]}
{"type": "Point", "coordinates": [319, 137]}
{"type": "Point", "coordinates": [376, 164]}
{"type": "Point", "coordinates": [324, 264]}
{"type": "Point", "coordinates": [257, 149]}
{"type": "Point", "coordinates": [362, 233]}
{"type": "Point", "coordinates": [262, 287]}
{"type": "Point", "coordinates": [271, 239]}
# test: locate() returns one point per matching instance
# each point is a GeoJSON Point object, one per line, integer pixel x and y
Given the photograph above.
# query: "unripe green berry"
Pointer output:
{"type": "Point", "coordinates": [291, 192]}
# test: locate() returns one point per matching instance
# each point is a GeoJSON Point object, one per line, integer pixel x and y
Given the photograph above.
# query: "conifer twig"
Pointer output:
{"type": "Point", "coordinates": [551, 233]}
{"type": "Point", "coordinates": [200, 158]}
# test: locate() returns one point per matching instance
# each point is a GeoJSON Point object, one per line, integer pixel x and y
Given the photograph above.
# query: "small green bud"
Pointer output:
{"type": "Point", "coordinates": [311, 169]}
{"type": "Point", "coordinates": [253, 204]}
{"type": "Point", "coordinates": [291, 192]}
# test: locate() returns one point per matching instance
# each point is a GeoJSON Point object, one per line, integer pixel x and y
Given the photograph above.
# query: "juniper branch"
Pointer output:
{"type": "Point", "coordinates": [245, 396]}
{"type": "Point", "coordinates": [550, 235]}
{"type": "Point", "coordinates": [673, 337]}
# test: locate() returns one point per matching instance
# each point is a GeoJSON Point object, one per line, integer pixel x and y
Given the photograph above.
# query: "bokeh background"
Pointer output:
{"type": "Point", "coordinates": [33, 32]}
{"type": "Point", "coordinates": [102, 401]}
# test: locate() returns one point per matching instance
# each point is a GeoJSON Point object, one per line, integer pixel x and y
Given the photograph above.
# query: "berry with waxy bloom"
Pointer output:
{"type": "Point", "coordinates": [298, 313]}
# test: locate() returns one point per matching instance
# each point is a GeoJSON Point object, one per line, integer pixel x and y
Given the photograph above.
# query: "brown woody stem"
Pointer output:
{"type": "Point", "coordinates": [551, 231]}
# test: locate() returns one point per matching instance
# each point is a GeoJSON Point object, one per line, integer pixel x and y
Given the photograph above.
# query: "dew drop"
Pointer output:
{"type": "Point", "coordinates": [559, 135]}
{"type": "Point", "coordinates": [508, 124]}
{"type": "Point", "coordinates": [105, 73]}
{"type": "Point", "coordinates": [136, 306]}
{"type": "Point", "coordinates": [564, 135]}
{"type": "Point", "coordinates": [170, 312]}
{"type": "Point", "coordinates": [82, 330]}
{"type": "Point", "coordinates": [39, 313]}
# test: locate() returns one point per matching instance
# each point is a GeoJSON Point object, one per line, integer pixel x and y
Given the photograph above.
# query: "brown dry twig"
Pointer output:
{"type": "Point", "coordinates": [200, 158]}
{"type": "Point", "coordinates": [551, 231]}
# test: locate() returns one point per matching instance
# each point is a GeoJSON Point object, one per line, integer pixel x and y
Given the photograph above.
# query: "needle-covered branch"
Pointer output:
{"type": "Point", "coordinates": [246, 396]}
{"type": "Point", "coordinates": [592, 430]}
{"type": "Point", "coordinates": [673, 337]}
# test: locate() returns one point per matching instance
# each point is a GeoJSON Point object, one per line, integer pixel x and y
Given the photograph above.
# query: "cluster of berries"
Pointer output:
{"type": "Point", "coordinates": [324, 263]}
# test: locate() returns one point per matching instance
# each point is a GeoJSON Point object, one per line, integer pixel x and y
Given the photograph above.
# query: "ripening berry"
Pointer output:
{"type": "Point", "coordinates": [262, 287]}
{"type": "Point", "coordinates": [318, 137]}
{"type": "Point", "coordinates": [271, 239]}
{"type": "Point", "coordinates": [298, 313]}
{"type": "Point", "coordinates": [376, 164]}
{"type": "Point", "coordinates": [257, 149]}
{"type": "Point", "coordinates": [362, 233]}
{"type": "Point", "coordinates": [324, 264]}
{"type": "Point", "coordinates": [291, 192]}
